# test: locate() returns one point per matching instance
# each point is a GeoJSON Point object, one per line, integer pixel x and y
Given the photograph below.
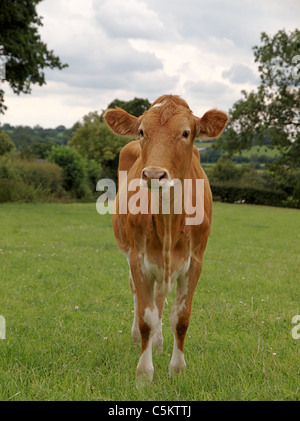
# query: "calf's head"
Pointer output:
{"type": "Point", "coordinates": [167, 132]}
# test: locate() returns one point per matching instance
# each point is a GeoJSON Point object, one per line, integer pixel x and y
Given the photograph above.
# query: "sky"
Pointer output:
{"type": "Point", "coordinates": [198, 49]}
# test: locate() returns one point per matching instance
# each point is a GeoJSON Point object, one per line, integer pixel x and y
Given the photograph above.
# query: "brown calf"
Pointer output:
{"type": "Point", "coordinates": [161, 248]}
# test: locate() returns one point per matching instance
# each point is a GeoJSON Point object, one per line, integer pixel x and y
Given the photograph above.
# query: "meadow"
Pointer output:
{"type": "Point", "coordinates": [68, 309]}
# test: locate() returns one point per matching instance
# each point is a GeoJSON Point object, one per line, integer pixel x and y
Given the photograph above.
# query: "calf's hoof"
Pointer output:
{"type": "Point", "coordinates": [177, 367]}
{"type": "Point", "coordinates": [144, 377]}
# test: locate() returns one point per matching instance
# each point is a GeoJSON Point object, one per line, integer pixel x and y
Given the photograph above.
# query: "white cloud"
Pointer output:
{"type": "Point", "coordinates": [199, 49]}
{"type": "Point", "coordinates": [129, 19]}
{"type": "Point", "coordinates": [95, 59]}
{"type": "Point", "coordinates": [239, 73]}
{"type": "Point", "coordinates": [205, 95]}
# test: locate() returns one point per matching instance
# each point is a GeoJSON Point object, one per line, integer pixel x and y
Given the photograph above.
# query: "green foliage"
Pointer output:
{"type": "Point", "coordinates": [37, 150]}
{"type": "Point", "coordinates": [271, 112]}
{"type": "Point", "coordinates": [26, 54]}
{"type": "Point", "coordinates": [225, 170]}
{"type": "Point", "coordinates": [6, 144]}
{"type": "Point", "coordinates": [232, 193]}
{"type": "Point", "coordinates": [30, 181]}
{"type": "Point", "coordinates": [210, 155]}
{"type": "Point", "coordinates": [287, 180]}
{"type": "Point", "coordinates": [93, 173]}
{"type": "Point", "coordinates": [74, 169]}
{"type": "Point", "coordinates": [24, 136]}
{"type": "Point", "coordinates": [94, 140]}
{"type": "Point", "coordinates": [244, 184]}
{"type": "Point", "coordinates": [296, 192]}
{"type": "Point", "coordinates": [67, 177]}
{"type": "Point", "coordinates": [136, 106]}
{"type": "Point", "coordinates": [41, 174]}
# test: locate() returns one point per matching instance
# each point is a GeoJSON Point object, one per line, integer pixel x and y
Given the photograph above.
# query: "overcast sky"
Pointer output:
{"type": "Point", "coordinates": [198, 49]}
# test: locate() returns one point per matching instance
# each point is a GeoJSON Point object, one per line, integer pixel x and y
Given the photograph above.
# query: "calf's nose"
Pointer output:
{"type": "Point", "coordinates": [160, 175]}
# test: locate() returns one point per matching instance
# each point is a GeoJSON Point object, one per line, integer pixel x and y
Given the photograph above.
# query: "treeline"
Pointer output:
{"type": "Point", "coordinates": [62, 164]}
{"type": "Point", "coordinates": [243, 183]}
{"type": "Point", "coordinates": [258, 161]}
{"type": "Point", "coordinates": [37, 141]}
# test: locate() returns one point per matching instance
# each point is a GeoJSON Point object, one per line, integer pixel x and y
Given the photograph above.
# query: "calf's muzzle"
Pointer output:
{"type": "Point", "coordinates": [155, 176]}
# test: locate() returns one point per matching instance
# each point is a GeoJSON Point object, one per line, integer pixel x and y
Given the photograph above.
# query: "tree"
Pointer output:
{"type": "Point", "coordinates": [94, 140]}
{"type": "Point", "coordinates": [136, 106]}
{"type": "Point", "coordinates": [6, 144]}
{"type": "Point", "coordinates": [38, 150]}
{"type": "Point", "coordinates": [26, 55]}
{"type": "Point", "coordinates": [74, 169]}
{"type": "Point", "coordinates": [271, 114]}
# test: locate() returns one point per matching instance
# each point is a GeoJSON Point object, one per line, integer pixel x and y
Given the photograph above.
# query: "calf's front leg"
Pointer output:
{"type": "Point", "coordinates": [148, 321]}
{"type": "Point", "coordinates": [180, 316]}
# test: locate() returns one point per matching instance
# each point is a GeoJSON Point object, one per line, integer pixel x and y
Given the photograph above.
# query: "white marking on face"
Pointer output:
{"type": "Point", "coordinates": [160, 104]}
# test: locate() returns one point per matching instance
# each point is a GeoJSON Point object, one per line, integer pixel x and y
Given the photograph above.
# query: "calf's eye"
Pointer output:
{"type": "Point", "coordinates": [185, 134]}
{"type": "Point", "coordinates": [141, 132]}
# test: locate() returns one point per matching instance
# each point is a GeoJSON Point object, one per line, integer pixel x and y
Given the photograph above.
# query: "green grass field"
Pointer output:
{"type": "Point", "coordinates": [68, 309]}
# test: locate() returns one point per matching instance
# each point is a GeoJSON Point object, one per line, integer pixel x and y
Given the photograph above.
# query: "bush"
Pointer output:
{"type": "Point", "coordinates": [227, 170]}
{"type": "Point", "coordinates": [243, 194]}
{"type": "Point", "coordinates": [93, 172]}
{"type": "Point", "coordinates": [258, 179]}
{"type": "Point", "coordinates": [74, 169]}
{"type": "Point", "coordinates": [18, 191]}
{"type": "Point", "coordinates": [6, 144]}
{"type": "Point", "coordinates": [37, 150]}
{"type": "Point", "coordinates": [210, 155]}
{"type": "Point", "coordinates": [41, 174]}
{"type": "Point", "coordinates": [29, 181]}
{"type": "Point", "coordinates": [296, 193]}
{"type": "Point", "coordinates": [94, 140]}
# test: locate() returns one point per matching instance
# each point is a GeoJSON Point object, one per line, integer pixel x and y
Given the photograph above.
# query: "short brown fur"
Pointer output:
{"type": "Point", "coordinates": [142, 237]}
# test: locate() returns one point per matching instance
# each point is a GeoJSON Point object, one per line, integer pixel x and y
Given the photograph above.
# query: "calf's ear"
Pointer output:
{"type": "Point", "coordinates": [121, 122]}
{"type": "Point", "coordinates": [211, 124]}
